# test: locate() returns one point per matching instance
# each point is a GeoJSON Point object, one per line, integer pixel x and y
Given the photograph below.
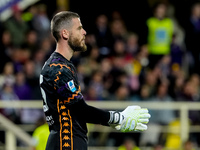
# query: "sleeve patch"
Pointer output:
{"type": "Point", "coordinates": [71, 85]}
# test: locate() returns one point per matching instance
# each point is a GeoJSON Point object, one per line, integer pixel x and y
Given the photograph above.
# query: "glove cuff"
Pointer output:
{"type": "Point", "coordinates": [115, 118]}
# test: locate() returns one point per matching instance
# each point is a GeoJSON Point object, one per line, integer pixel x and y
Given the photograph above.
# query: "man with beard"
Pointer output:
{"type": "Point", "coordinates": [64, 106]}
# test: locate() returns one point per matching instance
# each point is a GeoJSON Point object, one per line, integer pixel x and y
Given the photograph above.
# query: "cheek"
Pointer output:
{"type": "Point", "coordinates": [80, 37]}
{"type": "Point", "coordinates": [76, 36]}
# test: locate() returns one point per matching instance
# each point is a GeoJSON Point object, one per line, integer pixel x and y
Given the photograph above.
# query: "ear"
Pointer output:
{"type": "Point", "coordinates": [65, 34]}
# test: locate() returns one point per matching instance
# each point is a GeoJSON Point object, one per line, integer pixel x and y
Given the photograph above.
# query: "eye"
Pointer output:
{"type": "Point", "coordinates": [80, 27]}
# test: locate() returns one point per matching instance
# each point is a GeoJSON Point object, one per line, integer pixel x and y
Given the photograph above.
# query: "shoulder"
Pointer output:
{"type": "Point", "coordinates": [56, 64]}
{"type": "Point", "coordinates": [168, 20]}
{"type": "Point", "coordinates": [150, 19]}
{"type": "Point", "coordinates": [63, 67]}
{"type": "Point", "coordinates": [59, 62]}
{"type": "Point", "coordinates": [60, 69]}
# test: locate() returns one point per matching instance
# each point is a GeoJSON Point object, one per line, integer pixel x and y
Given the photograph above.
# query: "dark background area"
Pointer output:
{"type": "Point", "coordinates": [134, 13]}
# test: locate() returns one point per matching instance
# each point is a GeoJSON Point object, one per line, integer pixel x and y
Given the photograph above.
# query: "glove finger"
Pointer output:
{"type": "Point", "coordinates": [128, 124]}
{"type": "Point", "coordinates": [135, 107]}
{"type": "Point", "coordinates": [143, 120]}
{"type": "Point", "coordinates": [130, 109]}
{"type": "Point", "coordinates": [140, 127]}
{"type": "Point", "coordinates": [145, 116]}
{"type": "Point", "coordinates": [122, 126]}
{"type": "Point", "coordinates": [125, 125]}
{"type": "Point", "coordinates": [144, 110]}
{"type": "Point", "coordinates": [132, 125]}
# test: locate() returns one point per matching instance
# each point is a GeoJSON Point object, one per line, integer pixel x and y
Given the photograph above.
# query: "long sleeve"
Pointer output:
{"type": "Point", "coordinates": [91, 114]}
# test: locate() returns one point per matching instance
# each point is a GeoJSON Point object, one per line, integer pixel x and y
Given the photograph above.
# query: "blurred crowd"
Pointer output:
{"type": "Point", "coordinates": [117, 65]}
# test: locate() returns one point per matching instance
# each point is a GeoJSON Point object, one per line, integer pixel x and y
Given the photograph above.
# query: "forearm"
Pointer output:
{"type": "Point", "coordinates": [97, 116]}
{"type": "Point", "coordinates": [92, 114]}
{"type": "Point", "coordinates": [133, 118]}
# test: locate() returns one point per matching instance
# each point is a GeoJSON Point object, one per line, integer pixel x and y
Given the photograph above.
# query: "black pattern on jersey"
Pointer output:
{"type": "Point", "coordinates": [61, 89]}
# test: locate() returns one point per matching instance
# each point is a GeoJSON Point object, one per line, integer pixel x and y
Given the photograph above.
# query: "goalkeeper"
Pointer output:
{"type": "Point", "coordinates": [64, 106]}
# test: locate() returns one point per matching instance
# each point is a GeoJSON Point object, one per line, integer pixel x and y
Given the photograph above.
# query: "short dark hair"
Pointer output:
{"type": "Point", "coordinates": [60, 21]}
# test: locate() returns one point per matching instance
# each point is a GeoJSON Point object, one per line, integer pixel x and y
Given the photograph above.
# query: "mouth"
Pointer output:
{"type": "Point", "coordinates": [83, 40]}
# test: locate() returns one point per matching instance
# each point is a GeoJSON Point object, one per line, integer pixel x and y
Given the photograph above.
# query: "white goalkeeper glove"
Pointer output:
{"type": "Point", "coordinates": [133, 118]}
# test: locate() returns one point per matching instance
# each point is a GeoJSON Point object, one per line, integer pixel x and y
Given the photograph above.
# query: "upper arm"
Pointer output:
{"type": "Point", "coordinates": [65, 85]}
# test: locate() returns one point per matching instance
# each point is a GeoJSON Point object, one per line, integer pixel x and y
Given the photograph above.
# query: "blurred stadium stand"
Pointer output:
{"type": "Point", "coordinates": [6, 5]}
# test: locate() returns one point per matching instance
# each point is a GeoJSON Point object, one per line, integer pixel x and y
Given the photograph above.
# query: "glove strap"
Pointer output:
{"type": "Point", "coordinates": [115, 117]}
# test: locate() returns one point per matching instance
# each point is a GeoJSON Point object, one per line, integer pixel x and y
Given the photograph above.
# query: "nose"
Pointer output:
{"type": "Point", "coordinates": [84, 32]}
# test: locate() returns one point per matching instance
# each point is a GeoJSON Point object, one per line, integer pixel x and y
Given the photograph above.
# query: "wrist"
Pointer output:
{"type": "Point", "coordinates": [116, 118]}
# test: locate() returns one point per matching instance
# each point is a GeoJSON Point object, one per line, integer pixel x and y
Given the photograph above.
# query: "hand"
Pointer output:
{"type": "Point", "coordinates": [135, 118]}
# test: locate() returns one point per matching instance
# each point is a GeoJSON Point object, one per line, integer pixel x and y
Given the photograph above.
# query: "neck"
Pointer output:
{"type": "Point", "coordinates": [64, 50]}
